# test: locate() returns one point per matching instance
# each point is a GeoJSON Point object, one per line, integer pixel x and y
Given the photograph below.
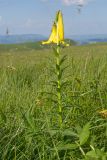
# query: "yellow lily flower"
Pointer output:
{"type": "Point", "coordinates": [53, 36]}
{"type": "Point", "coordinates": [57, 32]}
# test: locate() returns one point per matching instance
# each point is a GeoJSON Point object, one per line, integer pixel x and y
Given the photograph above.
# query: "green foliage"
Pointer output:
{"type": "Point", "coordinates": [29, 109]}
{"type": "Point", "coordinates": [85, 133]}
{"type": "Point", "coordinates": [96, 154]}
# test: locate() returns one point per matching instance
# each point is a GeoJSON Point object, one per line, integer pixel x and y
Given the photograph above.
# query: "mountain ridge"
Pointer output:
{"type": "Point", "coordinates": [22, 38]}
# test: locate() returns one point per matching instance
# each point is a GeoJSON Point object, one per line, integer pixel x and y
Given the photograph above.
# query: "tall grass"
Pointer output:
{"type": "Point", "coordinates": [28, 112]}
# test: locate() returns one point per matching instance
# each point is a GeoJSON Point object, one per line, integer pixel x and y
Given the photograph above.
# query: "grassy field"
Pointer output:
{"type": "Point", "coordinates": [29, 127]}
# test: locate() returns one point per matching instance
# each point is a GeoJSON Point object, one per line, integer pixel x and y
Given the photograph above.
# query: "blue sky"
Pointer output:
{"type": "Point", "coordinates": [36, 16]}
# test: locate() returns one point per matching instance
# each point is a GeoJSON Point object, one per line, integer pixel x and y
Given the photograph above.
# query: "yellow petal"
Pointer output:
{"type": "Point", "coordinates": [53, 35]}
{"type": "Point", "coordinates": [60, 27]}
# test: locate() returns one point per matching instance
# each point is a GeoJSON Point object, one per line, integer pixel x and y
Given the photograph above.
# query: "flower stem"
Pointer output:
{"type": "Point", "coordinates": [59, 99]}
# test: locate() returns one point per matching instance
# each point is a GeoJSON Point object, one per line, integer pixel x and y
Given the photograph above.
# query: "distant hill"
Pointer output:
{"type": "Point", "coordinates": [80, 39]}
{"type": "Point", "coordinates": [14, 39]}
{"type": "Point", "coordinates": [89, 39]}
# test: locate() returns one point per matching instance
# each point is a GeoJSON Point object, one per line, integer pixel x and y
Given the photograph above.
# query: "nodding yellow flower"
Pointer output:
{"type": "Point", "coordinates": [60, 27]}
{"type": "Point", "coordinates": [103, 113]}
{"type": "Point", "coordinates": [57, 32]}
{"type": "Point", "coordinates": [53, 36]}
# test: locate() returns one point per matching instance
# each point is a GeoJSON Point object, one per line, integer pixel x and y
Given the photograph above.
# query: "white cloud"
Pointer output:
{"type": "Point", "coordinates": [29, 23]}
{"type": "Point", "coordinates": [2, 22]}
{"type": "Point", "coordinates": [72, 2]}
{"type": "Point", "coordinates": [76, 2]}
{"type": "Point", "coordinates": [0, 19]}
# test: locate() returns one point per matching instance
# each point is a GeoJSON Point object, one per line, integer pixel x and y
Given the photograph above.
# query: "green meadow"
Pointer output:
{"type": "Point", "coordinates": [29, 128]}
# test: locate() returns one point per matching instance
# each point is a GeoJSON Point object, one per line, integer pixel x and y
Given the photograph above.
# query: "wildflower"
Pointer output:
{"type": "Point", "coordinates": [57, 32]}
{"type": "Point", "coordinates": [39, 102]}
{"type": "Point", "coordinates": [53, 36]}
{"type": "Point", "coordinates": [11, 68]}
{"type": "Point", "coordinates": [103, 113]}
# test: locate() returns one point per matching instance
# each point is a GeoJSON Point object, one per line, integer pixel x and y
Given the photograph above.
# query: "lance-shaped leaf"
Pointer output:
{"type": "Point", "coordinates": [85, 133]}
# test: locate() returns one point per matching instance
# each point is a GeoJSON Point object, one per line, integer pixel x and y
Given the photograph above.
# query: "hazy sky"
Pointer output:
{"type": "Point", "coordinates": [36, 16]}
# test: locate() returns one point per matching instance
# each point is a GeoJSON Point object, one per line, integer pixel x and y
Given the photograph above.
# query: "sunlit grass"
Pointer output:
{"type": "Point", "coordinates": [28, 126]}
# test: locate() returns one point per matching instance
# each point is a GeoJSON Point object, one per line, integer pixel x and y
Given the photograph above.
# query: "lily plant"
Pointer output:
{"type": "Point", "coordinates": [57, 37]}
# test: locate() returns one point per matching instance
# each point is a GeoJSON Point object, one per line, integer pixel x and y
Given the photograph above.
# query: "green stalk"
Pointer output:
{"type": "Point", "coordinates": [59, 85]}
